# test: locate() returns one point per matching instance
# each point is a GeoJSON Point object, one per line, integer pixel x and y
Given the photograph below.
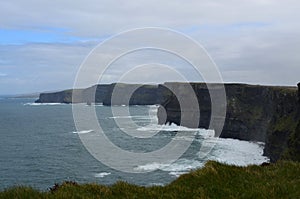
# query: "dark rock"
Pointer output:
{"type": "Point", "coordinates": [265, 164]}
{"type": "Point", "coordinates": [298, 92]}
{"type": "Point", "coordinates": [131, 94]}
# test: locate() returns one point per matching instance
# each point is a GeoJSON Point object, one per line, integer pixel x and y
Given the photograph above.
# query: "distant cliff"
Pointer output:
{"type": "Point", "coordinates": [254, 113]}
{"type": "Point", "coordinates": [56, 97]}
{"type": "Point", "coordinates": [108, 94]}
{"type": "Point", "coordinates": [132, 94]}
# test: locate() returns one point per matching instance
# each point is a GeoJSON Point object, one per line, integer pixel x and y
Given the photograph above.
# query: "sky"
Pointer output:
{"type": "Point", "coordinates": [43, 43]}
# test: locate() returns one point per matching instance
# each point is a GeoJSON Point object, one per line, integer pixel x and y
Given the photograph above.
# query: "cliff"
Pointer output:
{"type": "Point", "coordinates": [254, 113]}
{"type": "Point", "coordinates": [132, 94]}
{"type": "Point", "coordinates": [108, 94]}
{"type": "Point", "coordinates": [283, 134]}
{"type": "Point", "coordinates": [57, 97]}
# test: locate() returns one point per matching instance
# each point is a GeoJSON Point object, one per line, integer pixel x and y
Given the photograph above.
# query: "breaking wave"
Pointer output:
{"type": "Point", "coordinates": [83, 132]}
{"type": "Point", "coordinates": [102, 174]}
{"type": "Point", "coordinates": [228, 151]}
{"type": "Point", "coordinates": [43, 104]}
{"type": "Point", "coordinates": [172, 127]}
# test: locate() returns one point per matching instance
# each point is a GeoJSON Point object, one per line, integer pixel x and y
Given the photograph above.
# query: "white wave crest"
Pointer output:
{"type": "Point", "coordinates": [138, 117]}
{"type": "Point", "coordinates": [181, 165]}
{"type": "Point", "coordinates": [172, 127]}
{"type": "Point", "coordinates": [43, 104]}
{"type": "Point", "coordinates": [83, 132]}
{"type": "Point", "coordinates": [177, 173]}
{"type": "Point", "coordinates": [102, 174]}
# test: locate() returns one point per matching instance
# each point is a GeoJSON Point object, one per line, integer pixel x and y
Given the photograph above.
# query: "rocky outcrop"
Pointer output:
{"type": "Point", "coordinates": [254, 113]}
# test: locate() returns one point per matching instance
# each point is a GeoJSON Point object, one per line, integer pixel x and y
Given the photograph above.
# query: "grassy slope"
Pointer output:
{"type": "Point", "coordinates": [215, 180]}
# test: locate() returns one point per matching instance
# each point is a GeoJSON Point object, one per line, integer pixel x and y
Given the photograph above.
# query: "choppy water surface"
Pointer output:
{"type": "Point", "coordinates": [40, 146]}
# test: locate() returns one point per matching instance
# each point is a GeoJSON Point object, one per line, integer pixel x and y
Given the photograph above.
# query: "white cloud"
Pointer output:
{"type": "Point", "coordinates": [251, 41]}
{"type": "Point", "coordinates": [97, 18]}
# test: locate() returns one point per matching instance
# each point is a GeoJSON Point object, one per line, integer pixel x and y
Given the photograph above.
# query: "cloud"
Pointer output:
{"type": "Point", "coordinates": [3, 74]}
{"type": "Point", "coordinates": [95, 18]}
{"type": "Point", "coordinates": [251, 41]}
{"type": "Point", "coordinates": [40, 67]}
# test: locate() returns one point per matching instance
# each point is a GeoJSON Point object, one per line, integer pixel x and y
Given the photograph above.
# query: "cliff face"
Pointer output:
{"type": "Point", "coordinates": [283, 134]}
{"type": "Point", "coordinates": [254, 113]}
{"type": "Point", "coordinates": [57, 97]}
{"type": "Point", "coordinates": [249, 109]}
{"type": "Point", "coordinates": [132, 94]}
{"type": "Point", "coordinates": [94, 94]}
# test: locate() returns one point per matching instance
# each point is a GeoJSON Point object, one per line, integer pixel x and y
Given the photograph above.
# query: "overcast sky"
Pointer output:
{"type": "Point", "coordinates": [43, 43]}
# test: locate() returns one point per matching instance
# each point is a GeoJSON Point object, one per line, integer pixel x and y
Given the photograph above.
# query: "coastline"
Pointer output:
{"type": "Point", "coordinates": [269, 114]}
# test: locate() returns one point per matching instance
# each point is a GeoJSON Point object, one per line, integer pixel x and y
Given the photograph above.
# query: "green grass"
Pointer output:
{"type": "Point", "coordinates": [215, 180]}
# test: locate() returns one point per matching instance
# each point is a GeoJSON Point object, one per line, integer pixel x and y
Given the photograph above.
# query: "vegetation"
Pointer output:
{"type": "Point", "coordinates": [292, 152]}
{"type": "Point", "coordinates": [215, 180]}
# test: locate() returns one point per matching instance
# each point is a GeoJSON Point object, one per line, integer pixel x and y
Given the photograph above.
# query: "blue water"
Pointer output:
{"type": "Point", "coordinates": [39, 146]}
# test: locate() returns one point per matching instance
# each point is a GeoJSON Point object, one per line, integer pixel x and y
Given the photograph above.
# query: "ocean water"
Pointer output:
{"type": "Point", "coordinates": [40, 146]}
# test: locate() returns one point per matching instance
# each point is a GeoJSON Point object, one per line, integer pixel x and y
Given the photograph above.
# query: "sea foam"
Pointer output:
{"type": "Point", "coordinates": [172, 127]}
{"type": "Point", "coordinates": [43, 104]}
{"type": "Point", "coordinates": [102, 174]}
{"type": "Point", "coordinates": [83, 132]}
{"type": "Point", "coordinates": [228, 151]}
{"type": "Point", "coordinates": [177, 168]}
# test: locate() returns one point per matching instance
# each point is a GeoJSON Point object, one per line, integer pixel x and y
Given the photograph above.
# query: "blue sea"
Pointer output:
{"type": "Point", "coordinates": [40, 146]}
